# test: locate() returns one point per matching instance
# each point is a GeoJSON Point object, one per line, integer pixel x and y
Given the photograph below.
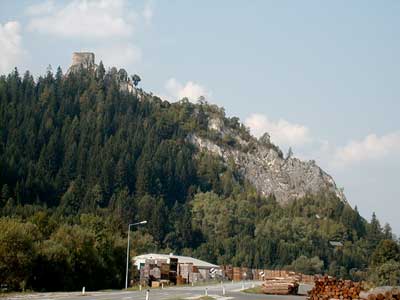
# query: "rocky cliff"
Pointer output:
{"type": "Point", "coordinates": [258, 160]}
{"type": "Point", "coordinates": [263, 164]}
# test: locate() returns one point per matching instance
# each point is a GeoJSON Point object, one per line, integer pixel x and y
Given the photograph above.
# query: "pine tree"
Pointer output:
{"type": "Point", "coordinates": [100, 71]}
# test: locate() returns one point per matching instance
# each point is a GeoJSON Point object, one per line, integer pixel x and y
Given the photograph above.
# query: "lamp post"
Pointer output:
{"type": "Point", "coordinates": [127, 251]}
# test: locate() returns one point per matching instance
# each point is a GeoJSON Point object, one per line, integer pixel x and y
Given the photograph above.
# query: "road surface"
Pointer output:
{"type": "Point", "coordinates": [233, 291]}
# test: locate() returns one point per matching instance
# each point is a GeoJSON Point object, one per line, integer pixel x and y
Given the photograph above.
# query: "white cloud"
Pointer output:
{"type": "Point", "coordinates": [11, 51]}
{"type": "Point", "coordinates": [106, 27]}
{"type": "Point", "coordinates": [191, 90]}
{"type": "Point", "coordinates": [282, 132]}
{"type": "Point", "coordinates": [148, 12]}
{"type": "Point", "coordinates": [40, 8]}
{"type": "Point", "coordinates": [372, 147]}
{"type": "Point", "coordinates": [82, 18]}
{"type": "Point", "coordinates": [355, 154]}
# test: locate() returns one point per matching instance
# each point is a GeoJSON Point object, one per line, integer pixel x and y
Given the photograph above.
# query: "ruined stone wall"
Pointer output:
{"type": "Point", "coordinates": [83, 58]}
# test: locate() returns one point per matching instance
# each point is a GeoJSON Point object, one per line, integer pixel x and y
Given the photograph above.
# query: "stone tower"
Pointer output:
{"type": "Point", "coordinates": [82, 60]}
{"type": "Point", "coordinates": [86, 59]}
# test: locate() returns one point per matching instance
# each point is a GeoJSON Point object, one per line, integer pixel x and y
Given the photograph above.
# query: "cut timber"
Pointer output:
{"type": "Point", "coordinates": [380, 293]}
{"type": "Point", "coordinates": [331, 288]}
{"type": "Point", "coordinates": [281, 285]}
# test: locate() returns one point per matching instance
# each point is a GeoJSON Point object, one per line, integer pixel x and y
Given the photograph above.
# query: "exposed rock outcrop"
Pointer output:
{"type": "Point", "coordinates": [264, 166]}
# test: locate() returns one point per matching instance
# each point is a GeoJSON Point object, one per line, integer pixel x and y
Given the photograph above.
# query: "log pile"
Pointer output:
{"type": "Point", "coordinates": [186, 271]}
{"type": "Point", "coordinates": [331, 288]}
{"type": "Point", "coordinates": [228, 271]}
{"type": "Point", "coordinates": [281, 285]}
{"type": "Point", "coordinates": [237, 274]}
{"type": "Point", "coordinates": [309, 279]}
{"type": "Point", "coordinates": [180, 280]}
{"type": "Point", "coordinates": [381, 293]}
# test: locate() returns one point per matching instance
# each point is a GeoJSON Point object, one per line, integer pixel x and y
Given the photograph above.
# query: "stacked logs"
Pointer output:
{"type": "Point", "coordinates": [331, 288]}
{"type": "Point", "coordinates": [381, 293]}
{"type": "Point", "coordinates": [281, 285]}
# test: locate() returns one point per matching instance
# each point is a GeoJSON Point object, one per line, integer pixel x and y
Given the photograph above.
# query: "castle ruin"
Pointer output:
{"type": "Point", "coordinates": [86, 60]}
{"type": "Point", "coordinates": [82, 60]}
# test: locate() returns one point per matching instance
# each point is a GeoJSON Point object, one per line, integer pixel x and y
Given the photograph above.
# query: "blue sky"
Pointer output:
{"type": "Point", "coordinates": [321, 77]}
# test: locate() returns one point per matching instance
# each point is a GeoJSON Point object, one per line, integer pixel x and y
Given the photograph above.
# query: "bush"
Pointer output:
{"type": "Point", "coordinates": [306, 265]}
{"type": "Point", "coordinates": [17, 252]}
{"type": "Point", "coordinates": [386, 274]}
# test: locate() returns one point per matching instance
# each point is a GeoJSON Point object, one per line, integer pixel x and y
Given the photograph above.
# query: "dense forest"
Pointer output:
{"type": "Point", "coordinates": [80, 160]}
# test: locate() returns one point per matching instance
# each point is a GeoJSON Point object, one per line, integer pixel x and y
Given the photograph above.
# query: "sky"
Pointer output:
{"type": "Point", "coordinates": [322, 77]}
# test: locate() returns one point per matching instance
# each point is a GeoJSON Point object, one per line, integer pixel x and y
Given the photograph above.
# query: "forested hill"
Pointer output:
{"type": "Point", "coordinates": [80, 158]}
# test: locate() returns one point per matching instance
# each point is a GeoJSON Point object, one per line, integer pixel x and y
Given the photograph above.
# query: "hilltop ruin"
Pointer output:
{"type": "Point", "coordinates": [86, 60]}
{"type": "Point", "coordinates": [82, 60]}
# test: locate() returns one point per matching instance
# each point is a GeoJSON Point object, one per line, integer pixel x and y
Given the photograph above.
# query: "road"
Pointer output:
{"type": "Point", "coordinates": [233, 291]}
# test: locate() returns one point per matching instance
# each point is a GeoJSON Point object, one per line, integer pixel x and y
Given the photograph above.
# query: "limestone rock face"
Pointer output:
{"type": "Point", "coordinates": [265, 167]}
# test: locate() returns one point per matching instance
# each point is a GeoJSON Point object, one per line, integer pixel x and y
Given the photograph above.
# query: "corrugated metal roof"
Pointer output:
{"type": "Point", "coordinates": [336, 244]}
{"type": "Point", "coordinates": [181, 259]}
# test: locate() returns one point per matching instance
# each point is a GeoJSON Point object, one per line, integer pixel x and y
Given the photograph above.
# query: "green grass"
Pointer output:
{"type": "Point", "coordinates": [254, 290]}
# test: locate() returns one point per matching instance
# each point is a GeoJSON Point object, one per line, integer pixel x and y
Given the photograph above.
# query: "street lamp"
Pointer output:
{"type": "Point", "coordinates": [127, 251]}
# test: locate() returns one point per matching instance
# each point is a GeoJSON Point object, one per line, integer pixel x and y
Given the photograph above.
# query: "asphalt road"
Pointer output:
{"type": "Point", "coordinates": [233, 291]}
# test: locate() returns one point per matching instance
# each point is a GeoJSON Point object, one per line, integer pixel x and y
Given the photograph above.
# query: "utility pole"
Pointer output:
{"type": "Point", "coordinates": [127, 251]}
